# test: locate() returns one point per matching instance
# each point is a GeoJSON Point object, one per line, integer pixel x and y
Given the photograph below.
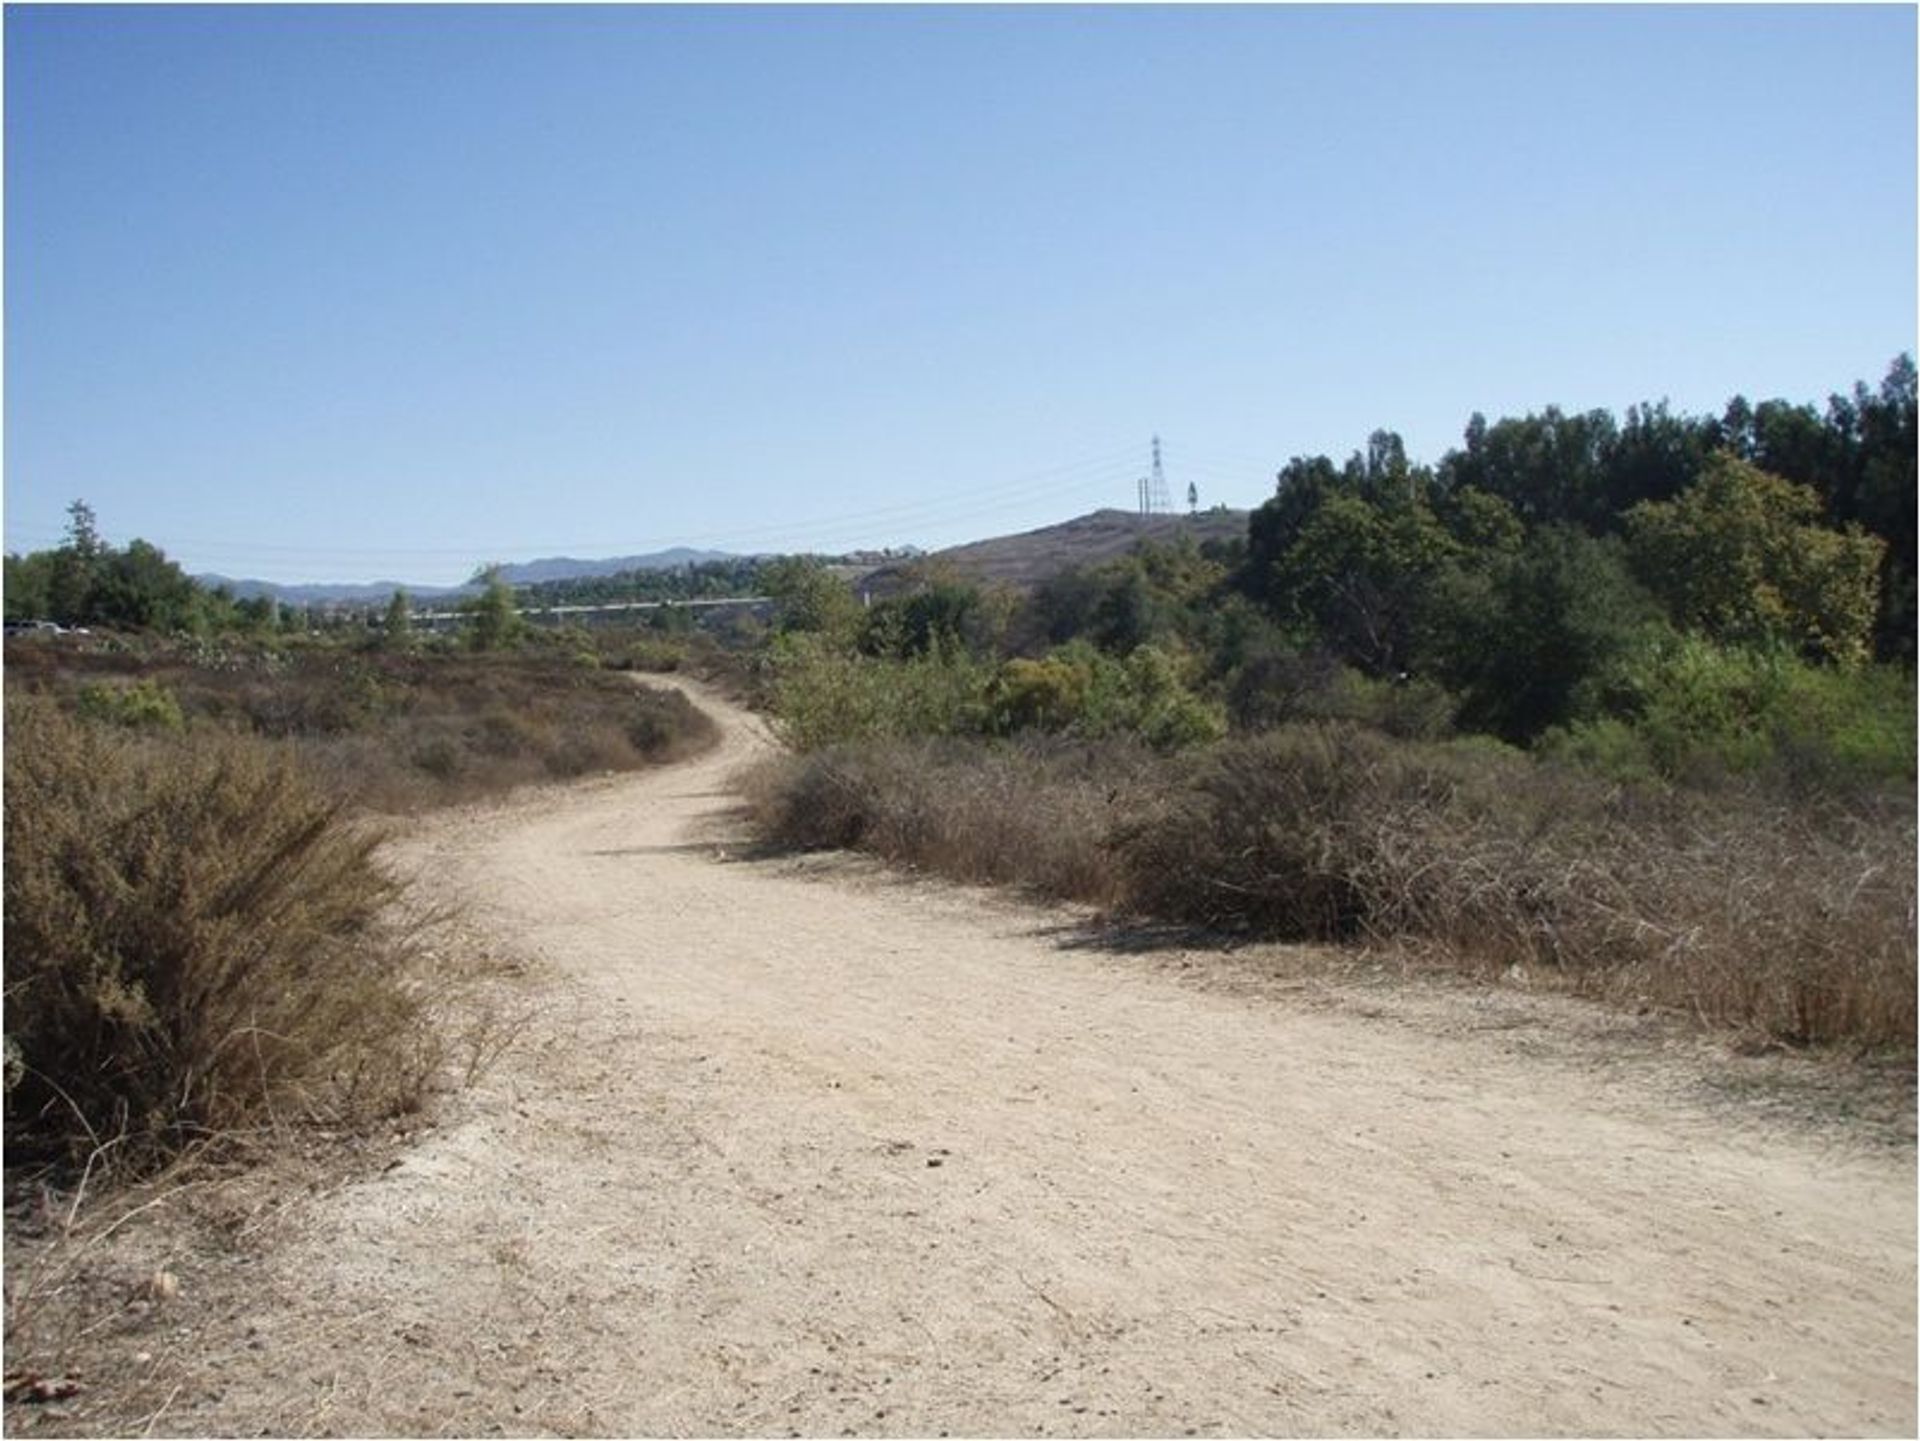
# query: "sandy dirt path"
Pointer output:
{"type": "Point", "coordinates": [843, 1155]}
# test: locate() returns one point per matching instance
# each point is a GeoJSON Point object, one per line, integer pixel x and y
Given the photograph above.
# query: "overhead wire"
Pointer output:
{"type": "Point", "coordinates": [1112, 469]}
{"type": "Point", "coordinates": [1074, 477]}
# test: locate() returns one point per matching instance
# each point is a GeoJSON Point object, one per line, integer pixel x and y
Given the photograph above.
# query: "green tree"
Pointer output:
{"type": "Point", "coordinates": [1299, 490]}
{"type": "Point", "coordinates": [943, 615]}
{"type": "Point", "coordinates": [260, 613]}
{"type": "Point", "coordinates": [492, 621]}
{"type": "Point", "coordinates": [1519, 638]}
{"type": "Point", "coordinates": [1879, 491]}
{"type": "Point", "coordinates": [1479, 521]}
{"type": "Point", "coordinates": [29, 585]}
{"type": "Point", "coordinates": [809, 598]}
{"type": "Point", "coordinates": [76, 568]}
{"type": "Point", "coordinates": [1740, 557]}
{"type": "Point", "coordinates": [1359, 577]}
{"type": "Point", "coordinates": [396, 626]}
{"type": "Point", "coordinates": [1654, 455]}
{"type": "Point", "coordinates": [1127, 614]}
{"type": "Point", "coordinates": [1548, 467]}
{"type": "Point", "coordinates": [141, 589]}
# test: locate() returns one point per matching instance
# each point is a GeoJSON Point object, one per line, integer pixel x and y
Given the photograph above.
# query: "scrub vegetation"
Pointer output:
{"type": "Point", "coordinates": [203, 944]}
{"type": "Point", "coordinates": [1625, 706]}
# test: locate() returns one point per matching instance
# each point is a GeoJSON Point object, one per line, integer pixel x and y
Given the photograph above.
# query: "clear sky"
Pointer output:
{"type": "Point", "coordinates": [352, 293]}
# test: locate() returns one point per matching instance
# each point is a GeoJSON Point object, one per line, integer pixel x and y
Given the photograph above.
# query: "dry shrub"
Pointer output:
{"type": "Point", "coordinates": [1033, 814]}
{"type": "Point", "coordinates": [1784, 916]}
{"type": "Point", "coordinates": [1259, 835]}
{"type": "Point", "coordinates": [196, 945]}
{"type": "Point", "coordinates": [396, 732]}
{"type": "Point", "coordinates": [1795, 920]}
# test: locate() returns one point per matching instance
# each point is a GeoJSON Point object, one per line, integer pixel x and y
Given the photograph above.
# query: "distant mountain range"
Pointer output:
{"type": "Point", "coordinates": [566, 568]}
{"type": "Point", "coordinates": [532, 572]}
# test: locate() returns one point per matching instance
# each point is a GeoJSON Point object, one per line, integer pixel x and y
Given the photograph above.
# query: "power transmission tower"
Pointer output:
{"type": "Point", "coordinates": [1153, 490]}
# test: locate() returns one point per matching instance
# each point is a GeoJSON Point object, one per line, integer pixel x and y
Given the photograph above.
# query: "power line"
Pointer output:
{"type": "Point", "coordinates": [1104, 471]}
{"type": "Point", "coordinates": [1074, 477]}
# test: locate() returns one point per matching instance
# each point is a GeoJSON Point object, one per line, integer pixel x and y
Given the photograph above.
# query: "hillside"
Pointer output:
{"type": "Point", "coordinates": [533, 572]}
{"type": "Point", "coordinates": [1027, 559]}
{"type": "Point", "coordinates": [567, 568]}
{"type": "Point", "coordinates": [1022, 561]}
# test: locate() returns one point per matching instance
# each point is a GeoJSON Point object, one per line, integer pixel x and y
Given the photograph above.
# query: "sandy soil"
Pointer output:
{"type": "Point", "coordinates": [801, 1148]}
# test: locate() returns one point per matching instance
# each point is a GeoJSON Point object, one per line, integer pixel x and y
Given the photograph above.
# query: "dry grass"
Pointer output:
{"type": "Point", "coordinates": [201, 942]}
{"type": "Point", "coordinates": [395, 732]}
{"type": "Point", "coordinates": [1794, 920]}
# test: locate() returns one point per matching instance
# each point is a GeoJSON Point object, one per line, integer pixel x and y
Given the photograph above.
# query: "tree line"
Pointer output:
{"type": "Point", "coordinates": [1639, 591]}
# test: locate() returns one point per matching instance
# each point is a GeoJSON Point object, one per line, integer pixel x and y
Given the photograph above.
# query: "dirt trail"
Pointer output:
{"type": "Point", "coordinates": [853, 1156]}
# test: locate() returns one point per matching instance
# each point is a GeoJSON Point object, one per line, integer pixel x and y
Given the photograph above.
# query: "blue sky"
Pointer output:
{"type": "Point", "coordinates": [346, 293]}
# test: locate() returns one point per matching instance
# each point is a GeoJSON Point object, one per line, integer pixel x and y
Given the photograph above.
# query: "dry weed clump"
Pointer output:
{"type": "Point", "coordinates": [1793, 920]}
{"type": "Point", "coordinates": [1033, 814]}
{"type": "Point", "coordinates": [198, 943]}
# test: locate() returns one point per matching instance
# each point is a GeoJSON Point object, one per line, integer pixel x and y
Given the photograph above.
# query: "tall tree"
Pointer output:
{"type": "Point", "coordinates": [76, 568]}
{"type": "Point", "coordinates": [809, 597]}
{"type": "Point", "coordinates": [492, 621]}
{"type": "Point", "coordinates": [396, 625]}
{"type": "Point", "coordinates": [1518, 636]}
{"type": "Point", "coordinates": [143, 590]}
{"type": "Point", "coordinates": [1741, 556]}
{"type": "Point", "coordinates": [1549, 467]}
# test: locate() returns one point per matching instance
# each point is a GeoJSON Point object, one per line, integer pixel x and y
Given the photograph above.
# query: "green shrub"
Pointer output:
{"type": "Point", "coordinates": [1082, 691]}
{"type": "Point", "coordinates": [1607, 747]}
{"type": "Point", "coordinates": [824, 694]}
{"type": "Point", "coordinates": [142, 705]}
{"type": "Point", "coordinates": [1412, 708]}
{"type": "Point", "coordinates": [1149, 698]}
{"type": "Point", "coordinates": [1044, 695]}
{"type": "Point", "coordinates": [1699, 712]}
